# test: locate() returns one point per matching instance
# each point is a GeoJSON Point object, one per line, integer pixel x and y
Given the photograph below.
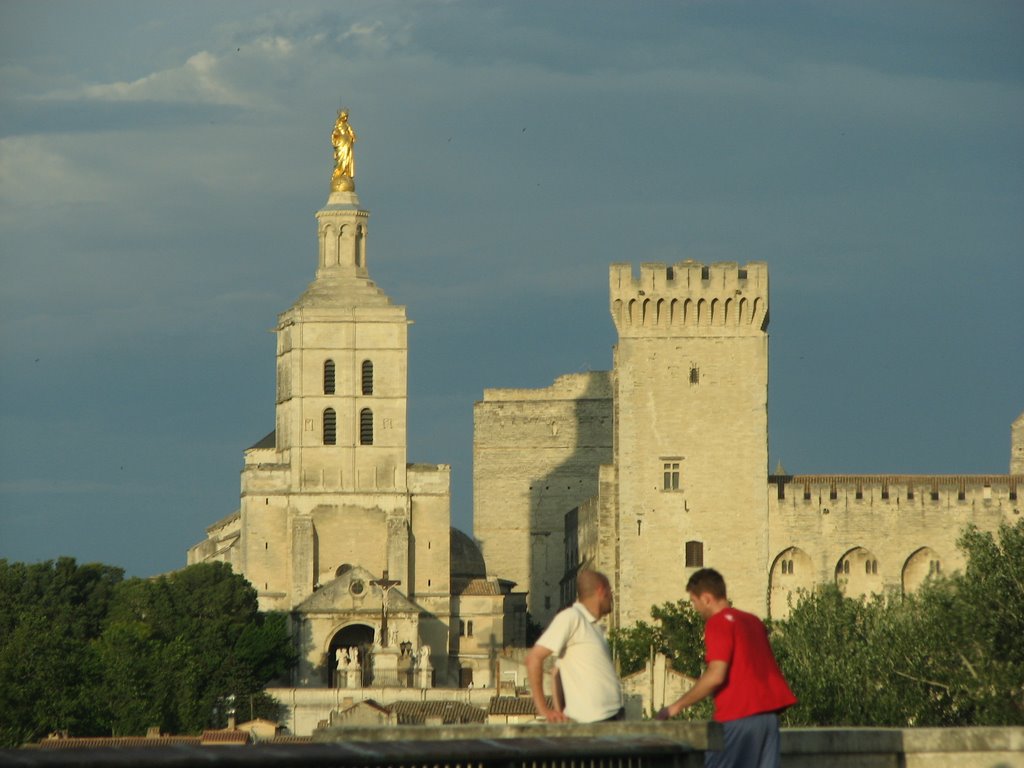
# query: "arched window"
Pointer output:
{"type": "Point", "coordinates": [367, 377]}
{"type": "Point", "coordinates": [365, 427]}
{"type": "Point", "coordinates": [328, 377]}
{"type": "Point", "coordinates": [330, 427]}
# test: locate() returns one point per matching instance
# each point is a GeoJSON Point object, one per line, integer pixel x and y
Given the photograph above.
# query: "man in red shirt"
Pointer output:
{"type": "Point", "coordinates": [742, 674]}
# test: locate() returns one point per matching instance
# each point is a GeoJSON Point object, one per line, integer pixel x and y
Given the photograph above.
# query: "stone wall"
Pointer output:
{"type": "Point", "coordinates": [691, 419]}
{"type": "Point", "coordinates": [535, 454]}
{"type": "Point", "coordinates": [876, 533]}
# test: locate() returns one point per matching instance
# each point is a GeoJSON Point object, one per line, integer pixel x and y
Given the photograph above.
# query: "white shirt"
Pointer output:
{"type": "Point", "coordinates": [592, 690]}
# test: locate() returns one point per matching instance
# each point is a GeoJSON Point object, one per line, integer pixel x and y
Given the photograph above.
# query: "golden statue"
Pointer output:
{"type": "Point", "coordinates": [343, 137]}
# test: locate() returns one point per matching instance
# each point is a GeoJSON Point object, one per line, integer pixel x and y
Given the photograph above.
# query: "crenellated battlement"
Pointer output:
{"type": "Point", "coordinates": [723, 298]}
{"type": "Point", "coordinates": [897, 490]}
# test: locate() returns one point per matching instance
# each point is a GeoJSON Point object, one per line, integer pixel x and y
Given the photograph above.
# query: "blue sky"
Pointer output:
{"type": "Point", "coordinates": [160, 166]}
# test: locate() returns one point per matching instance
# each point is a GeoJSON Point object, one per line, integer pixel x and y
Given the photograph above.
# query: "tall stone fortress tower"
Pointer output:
{"type": "Point", "coordinates": [328, 501]}
{"type": "Point", "coordinates": [691, 429]}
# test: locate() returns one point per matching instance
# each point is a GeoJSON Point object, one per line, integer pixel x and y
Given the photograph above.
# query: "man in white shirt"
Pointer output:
{"type": "Point", "coordinates": [589, 683]}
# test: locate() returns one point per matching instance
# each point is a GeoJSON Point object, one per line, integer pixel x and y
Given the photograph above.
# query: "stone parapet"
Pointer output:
{"type": "Point", "coordinates": [689, 298]}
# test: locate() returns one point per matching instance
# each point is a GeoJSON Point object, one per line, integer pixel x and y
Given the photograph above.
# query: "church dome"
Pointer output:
{"type": "Point", "coordinates": [467, 561]}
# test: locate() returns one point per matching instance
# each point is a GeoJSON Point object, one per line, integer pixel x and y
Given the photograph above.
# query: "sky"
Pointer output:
{"type": "Point", "coordinates": [161, 165]}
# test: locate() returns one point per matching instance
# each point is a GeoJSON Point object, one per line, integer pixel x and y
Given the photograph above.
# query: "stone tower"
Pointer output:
{"type": "Point", "coordinates": [1017, 446]}
{"type": "Point", "coordinates": [691, 429]}
{"type": "Point", "coordinates": [328, 501]}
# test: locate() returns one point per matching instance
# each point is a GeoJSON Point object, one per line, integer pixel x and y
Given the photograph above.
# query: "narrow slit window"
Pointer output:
{"type": "Point", "coordinates": [367, 377]}
{"type": "Point", "coordinates": [366, 427]}
{"type": "Point", "coordinates": [328, 377]}
{"type": "Point", "coordinates": [330, 427]}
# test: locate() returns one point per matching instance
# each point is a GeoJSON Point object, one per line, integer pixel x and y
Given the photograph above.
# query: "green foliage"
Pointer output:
{"type": "Point", "coordinates": [200, 640]}
{"type": "Point", "coordinates": [49, 614]}
{"type": "Point", "coordinates": [950, 655]}
{"type": "Point", "coordinates": [82, 650]}
{"type": "Point", "coordinates": [678, 632]}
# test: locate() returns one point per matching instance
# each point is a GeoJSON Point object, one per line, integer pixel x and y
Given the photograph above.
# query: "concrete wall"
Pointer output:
{"type": "Point", "coordinates": [801, 747]}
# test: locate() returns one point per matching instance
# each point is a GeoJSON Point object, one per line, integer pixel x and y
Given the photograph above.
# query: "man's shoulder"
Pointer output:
{"type": "Point", "coordinates": [567, 616]}
{"type": "Point", "coordinates": [731, 617]}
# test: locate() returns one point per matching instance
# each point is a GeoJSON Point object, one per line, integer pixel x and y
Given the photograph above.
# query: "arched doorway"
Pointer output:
{"type": "Point", "coordinates": [357, 635]}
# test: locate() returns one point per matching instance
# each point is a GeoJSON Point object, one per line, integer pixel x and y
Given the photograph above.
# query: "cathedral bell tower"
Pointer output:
{"type": "Point", "coordinates": [335, 493]}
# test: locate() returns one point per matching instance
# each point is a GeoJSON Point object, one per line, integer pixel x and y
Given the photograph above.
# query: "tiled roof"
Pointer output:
{"type": "Point", "coordinates": [289, 739]}
{"type": "Point", "coordinates": [473, 587]}
{"type": "Point", "coordinates": [450, 712]}
{"type": "Point", "coordinates": [224, 737]}
{"type": "Point", "coordinates": [369, 703]}
{"type": "Point", "coordinates": [894, 479]}
{"type": "Point", "coordinates": [513, 705]}
{"type": "Point", "coordinates": [118, 741]}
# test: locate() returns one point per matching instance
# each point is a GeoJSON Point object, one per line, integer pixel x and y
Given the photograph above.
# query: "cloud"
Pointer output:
{"type": "Point", "coordinates": [200, 79]}
{"type": "Point", "coordinates": [32, 171]}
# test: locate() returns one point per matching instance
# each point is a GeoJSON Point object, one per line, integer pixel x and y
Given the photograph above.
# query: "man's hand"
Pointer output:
{"type": "Point", "coordinates": [663, 714]}
{"type": "Point", "coordinates": [556, 716]}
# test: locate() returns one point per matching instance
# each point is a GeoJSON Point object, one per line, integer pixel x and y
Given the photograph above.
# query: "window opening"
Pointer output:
{"type": "Point", "coordinates": [328, 377]}
{"type": "Point", "coordinates": [366, 427]}
{"type": "Point", "coordinates": [694, 551]}
{"type": "Point", "coordinates": [670, 479]}
{"type": "Point", "coordinates": [330, 427]}
{"type": "Point", "coordinates": [367, 377]}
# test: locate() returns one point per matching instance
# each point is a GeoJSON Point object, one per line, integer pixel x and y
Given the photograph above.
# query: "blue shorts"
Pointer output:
{"type": "Point", "coordinates": [750, 742]}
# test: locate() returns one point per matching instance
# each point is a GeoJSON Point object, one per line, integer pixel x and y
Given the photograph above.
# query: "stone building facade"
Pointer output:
{"type": "Point", "coordinates": [335, 527]}
{"type": "Point", "coordinates": [660, 466]}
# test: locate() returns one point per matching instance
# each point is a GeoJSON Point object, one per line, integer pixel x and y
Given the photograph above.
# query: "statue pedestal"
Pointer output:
{"type": "Point", "coordinates": [342, 200]}
{"type": "Point", "coordinates": [384, 667]}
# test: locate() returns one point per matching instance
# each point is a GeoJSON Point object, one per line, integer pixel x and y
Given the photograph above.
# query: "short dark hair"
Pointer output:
{"type": "Point", "coordinates": [706, 580]}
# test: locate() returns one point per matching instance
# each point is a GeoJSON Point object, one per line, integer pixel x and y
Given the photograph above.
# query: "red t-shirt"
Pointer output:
{"type": "Point", "coordinates": [754, 683]}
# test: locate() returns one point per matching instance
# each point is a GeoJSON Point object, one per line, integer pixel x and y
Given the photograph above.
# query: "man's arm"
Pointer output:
{"type": "Point", "coordinates": [706, 685]}
{"type": "Point", "coordinates": [557, 693]}
{"type": "Point", "coordinates": [535, 672]}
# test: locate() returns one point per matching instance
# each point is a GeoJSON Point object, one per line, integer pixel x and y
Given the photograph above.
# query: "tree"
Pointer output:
{"type": "Point", "coordinates": [678, 632]}
{"type": "Point", "coordinates": [950, 655]}
{"type": "Point", "coordinates": [49, 613]}
{"type": "Point", "coordinates": [197, 638]}
{"type": "Point", "coordinates": [84, 651]}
